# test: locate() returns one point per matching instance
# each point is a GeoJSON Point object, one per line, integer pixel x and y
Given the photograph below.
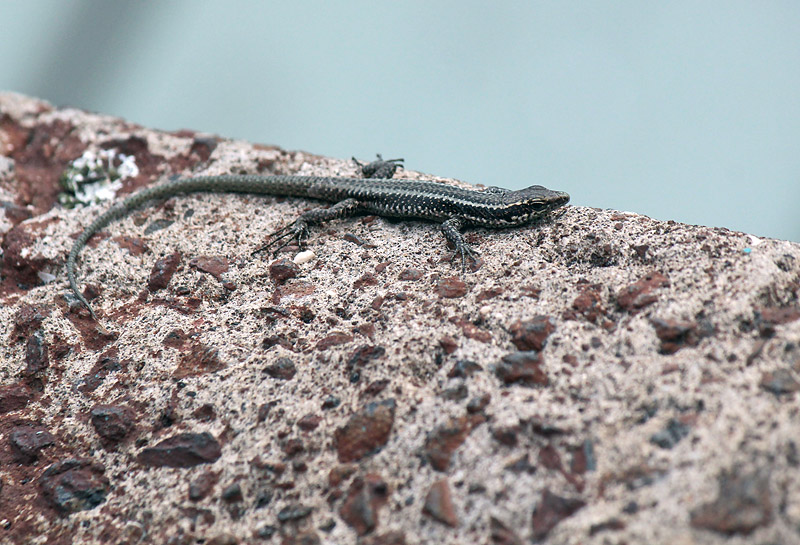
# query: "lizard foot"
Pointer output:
{"type": "Point", "coordinates": [467, 252]}
{"type": "Point", "coordinates": [297, 231]}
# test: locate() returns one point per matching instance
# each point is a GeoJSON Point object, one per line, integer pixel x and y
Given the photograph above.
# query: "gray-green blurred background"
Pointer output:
{"type": "Point", "coordinates": [684, 110]}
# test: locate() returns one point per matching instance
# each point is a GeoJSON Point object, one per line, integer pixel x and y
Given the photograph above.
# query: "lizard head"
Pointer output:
{"type": "Point", "coordinates": [531, 203]}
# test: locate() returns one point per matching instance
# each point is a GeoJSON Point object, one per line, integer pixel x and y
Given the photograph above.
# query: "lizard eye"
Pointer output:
{"type": "Point", "coordinates": [538, 205]}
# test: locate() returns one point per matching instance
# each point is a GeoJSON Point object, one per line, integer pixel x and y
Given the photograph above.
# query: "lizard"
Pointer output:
{"type": "Point", "coordinates": [376, 193]}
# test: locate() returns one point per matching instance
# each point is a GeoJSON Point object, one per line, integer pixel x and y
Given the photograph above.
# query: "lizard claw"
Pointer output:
{"type": "Point", "coordinates": [467, 252]}
{"type": "Point", "coordinates": [297, 230]}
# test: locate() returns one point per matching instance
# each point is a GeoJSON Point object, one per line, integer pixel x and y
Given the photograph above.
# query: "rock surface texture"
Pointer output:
{"type": "Point", "coordinates": [601, 378]}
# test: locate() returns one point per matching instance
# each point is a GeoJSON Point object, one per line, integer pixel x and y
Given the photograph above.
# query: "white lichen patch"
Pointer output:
{"type": "Point", "coordinates": [96, 176]}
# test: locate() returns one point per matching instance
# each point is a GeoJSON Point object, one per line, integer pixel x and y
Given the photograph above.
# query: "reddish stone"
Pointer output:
{"type": "Point", "coordinates": [551, 510]}
{"type": "Point", "coordinates": [198, 360]}
{"type": "Point", "coordinates": [439, 504]}
{"type": "Point", "coordinates": [135, 245]}
{"type": "Point", "coordinates": [583, 458]}
{"type": "Point", "coordinates": [37, 358]}
{"type": "Point", "coordinates": [333, 339]}
{"type": "Point", "coordinates": [182, 450]}
{"type": "Point", "coordinates": [175, 339]}
{"type": "Point", "coordinates": [213, 265]}
{"type": "Point", "coordinates": [451, 287]}
{"type": "Point", "coordinates": [203, 147]}
{"type": "Point", "coordinates": [640, 294]}
{"type": "Point", "coordinates": [340, 473]}
{"type": "Point", "coordinates": [377, 303]}
{"type": "Point", "coordinates": [521, 464]}
{"type": "Point", "coordinates": [478, 403]}
{"type": "Point", "coordinates": [16, 214]}
{"type": "Point", "coordinates": [393, 537]}
{"type": "Point", "coordinates": [743, 504]}
{"type": "Point", "coordinates": [74, 485]}
{"type": "Point", "coordinates": [112, 422]}
{"type": "Point", "coordinates": [410, 275]}
{"type": "Point", "coordinates": [364, 499]}
{"type": "Point", "coordinates": [367, 279]}
{"type": "Point", "coordinates": [309, 422]}
{"type": "Point", "coordinates": [28, 320]}
{"type": "Point", "coordinates": [530, 291]}
{"type": "Point", "coordinates": [500, 534]}
{"type": "Point", "coordinates": [448, 344]}
{"type": "Point", "coordinates": [14, 397]}
{"type": "Point", "coordinates": [365, 432]}
{"type": "Point", "coordinates": [282, 270]}
{"type": "Point", "coordinates": [41, 158]}
{"type": "Point", "coordinates": [202, 485]}
{"type": "Point", "coordinates": [27, 441]}
{"type": "Point", "coordinates": [232, 493]}
{"type": "Point", "coordinates": [780, 381]}
{"type": "Point", "coordinates": [506, 435]}
{"type": "Point", "coordinates": [162, 271]}
{"type": "Point", "coordinates": [549, 457]}
{"type": "Point", "coordinates": [491, 293]}
{"type": "Point", "coordinates": [205, 413]}
{"type": "Point", "coordinates": [523, 368]}
{"type": "Point", "coordinates": [376, 386]}
{"type": "Point", "coordinates": [472, 331]}
{"type": "Point", "coordinates": [456, 392]}
{"type": "Point", "coordinates": [292, 447]}
{"type": "Point", "coordinates": [675, 335]}
{"type": "Point", "coordinates": [368, 330]}
{"type": "Point", "coordinates": [280, 340]}
{"type": "Point", "coordinates": [296, 289]}
{"type": "Point", "coordinates": [589, 304]}
{"type": "Point", "coordinates": [363, 354]}
{"type": "Point", "coordinates": [350, 237]}
{"type": "Point", "coordinates": [304, 313]}
{"type": "Point", "coordinates": [20, 266]}
{"type": "Point", "coordinates": [276, 468]}
{"type": "Point", "coordinates": [779, 315]}
{"type": "Point", "coordinates": [464, 369]}
{"type": "Point", "coordinates": [769, 317]}
{"type": "Point", "coordinates": [306, 537]}
{"type": "Point", "coordinates": [283, 369]}
{"type": "Point", "coordinates": [293, 513]}
{"type": "Point", "coordinates": [641, 250]}
{"type": "Point", "coordinates": [444, 440]}
{"type": "Point", "coordinates": [94, 378]}
{"type": "Point", "coordinates": [532, 334]}
{"type": "Point", "coordinates": [264, 409]}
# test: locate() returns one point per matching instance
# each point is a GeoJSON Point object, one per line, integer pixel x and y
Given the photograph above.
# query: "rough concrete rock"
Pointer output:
{"type": "Point", "coordinates": [602, 378]}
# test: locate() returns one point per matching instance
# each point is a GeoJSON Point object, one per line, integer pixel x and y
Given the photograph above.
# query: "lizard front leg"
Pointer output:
{"type": "Point", "coordinates": [451, 229]}
{"type": "Point", "coordinates": [382, 168]}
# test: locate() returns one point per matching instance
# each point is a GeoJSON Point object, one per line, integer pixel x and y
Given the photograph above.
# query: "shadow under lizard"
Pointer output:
{"type": "Point", "coordinates": [377, 193]}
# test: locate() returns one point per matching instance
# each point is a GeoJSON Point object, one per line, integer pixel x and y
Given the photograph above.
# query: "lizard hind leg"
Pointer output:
{"type": "Point", "coordinates": [298, 229]}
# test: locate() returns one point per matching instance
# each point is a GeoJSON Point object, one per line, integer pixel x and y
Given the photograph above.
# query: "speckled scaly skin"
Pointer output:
{"type": "Point", "coordinates": [411, 199]}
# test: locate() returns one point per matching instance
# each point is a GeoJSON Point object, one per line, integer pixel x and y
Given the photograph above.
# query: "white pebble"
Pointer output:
{"type": "Point", "coordinates": [304, 257]}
